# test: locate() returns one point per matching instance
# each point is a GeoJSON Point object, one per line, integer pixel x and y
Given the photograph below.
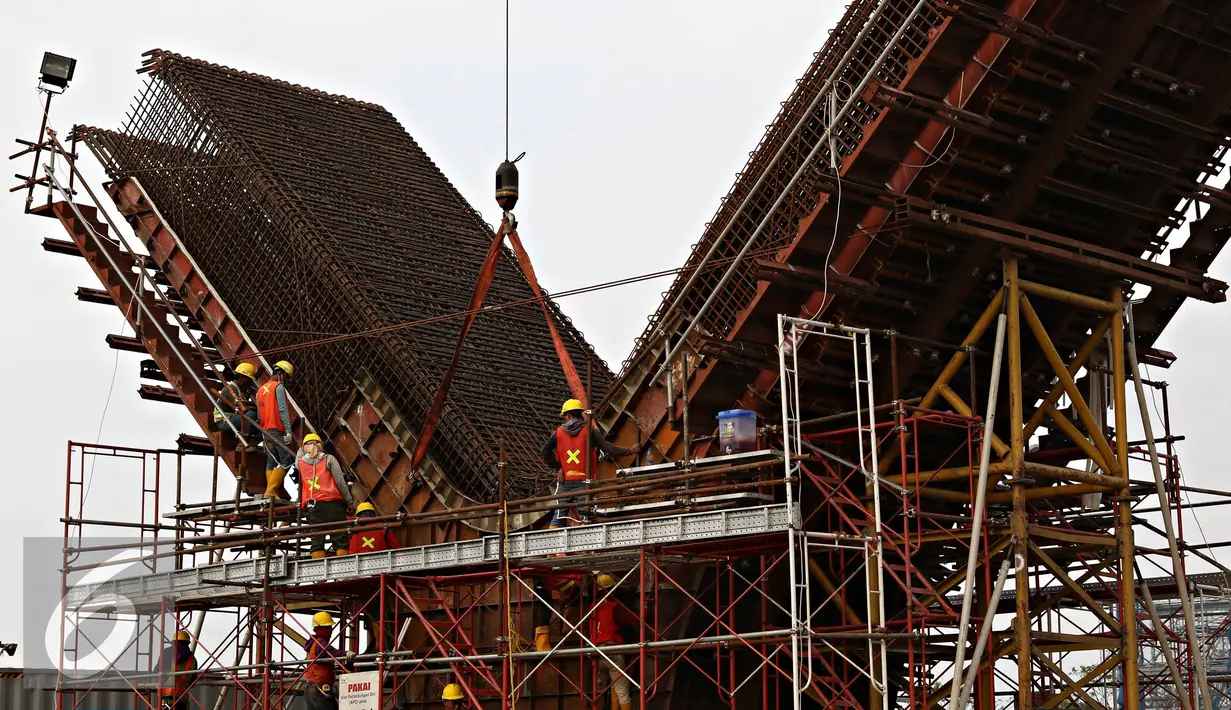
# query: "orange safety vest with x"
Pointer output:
{"type": "Point", "coordinates": [570, 452]}
{"type": "Point", "coordinates": [372, 540]}
{"type": "Point", "coordinates": [318, 483]}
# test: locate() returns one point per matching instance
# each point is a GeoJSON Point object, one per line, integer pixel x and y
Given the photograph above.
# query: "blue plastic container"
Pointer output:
{"type": "Point", "coordinates": [737, 431]}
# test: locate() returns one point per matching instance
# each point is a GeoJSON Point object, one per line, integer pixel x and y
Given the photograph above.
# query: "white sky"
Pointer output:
{"type": "Point", "coordinates": [635, 117]}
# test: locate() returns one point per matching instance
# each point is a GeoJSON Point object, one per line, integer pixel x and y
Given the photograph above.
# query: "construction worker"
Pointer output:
{"type": "Point", "coordinates": [323, 494]}
{"type": "Point", "coordinates": [322, 657]}
{"type": "Point", "coordinates": [372, 538]}
{"type": "Point", "coordinates": [605, 622]}
{"type": "Point", "coordinates": [453, 697]}
{"type": "Point", "coordinates": [275, 418]}
{"type": "Point", "coordinates": [177, 657]}
{"type": "Point", "coordinates": [236, 410]}
{"type": "Point", "coordinates": [565, 452]}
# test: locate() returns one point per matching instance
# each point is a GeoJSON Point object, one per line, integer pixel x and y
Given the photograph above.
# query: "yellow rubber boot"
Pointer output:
{"type": "Point", "coordinates": [318, 554]}
{"type": "Point", "coordinates": [341, 553]}
{"type": "Point", "coordinates": [273, 482]}
{"type": "Point", "coordinates": [542, 638]}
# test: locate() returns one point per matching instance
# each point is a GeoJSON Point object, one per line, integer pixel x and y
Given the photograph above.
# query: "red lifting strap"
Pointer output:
{"type": "Point", "coordinates": [570, 372]}
{"type": "Point", "coordinates": [481, 285]}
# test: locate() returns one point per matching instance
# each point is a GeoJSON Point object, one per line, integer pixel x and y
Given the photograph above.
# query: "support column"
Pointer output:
{"type": "Point", "coordinates": [1017, 456]}
{"type": "Point", "coordinates": [876, 698]}
{"type": "Point", "coordinates": [1124, 513]}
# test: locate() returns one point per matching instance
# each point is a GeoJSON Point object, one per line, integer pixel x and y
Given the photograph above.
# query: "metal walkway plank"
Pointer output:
{"type": "Point", "coordinates": [239, 576]}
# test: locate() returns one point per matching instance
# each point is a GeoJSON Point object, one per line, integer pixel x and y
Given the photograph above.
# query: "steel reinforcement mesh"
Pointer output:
{"type": "Point", "coordinates": [783, 224]}
{"type": "Point", "coordinates": [317, 215]}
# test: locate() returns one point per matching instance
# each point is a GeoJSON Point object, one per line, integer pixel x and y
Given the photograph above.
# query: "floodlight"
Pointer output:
{"type": "Point", "coordinates": [57, 70]}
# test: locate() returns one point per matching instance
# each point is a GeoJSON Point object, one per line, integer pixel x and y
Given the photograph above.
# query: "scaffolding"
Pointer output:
{"type": "Point", "coordinates": [705, 583]}
{"type": "Point", "coordinates": [828, 594]}
{"type": "Point", "coordinates": [1212, 609]}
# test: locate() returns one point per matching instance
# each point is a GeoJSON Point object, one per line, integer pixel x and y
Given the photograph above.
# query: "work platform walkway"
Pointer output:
{"type": "Point", "coordinates": [240, 577]}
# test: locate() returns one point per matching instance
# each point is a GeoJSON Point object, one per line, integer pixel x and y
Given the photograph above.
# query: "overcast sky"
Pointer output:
{"type": "Point", "coordinates": [635, 117]}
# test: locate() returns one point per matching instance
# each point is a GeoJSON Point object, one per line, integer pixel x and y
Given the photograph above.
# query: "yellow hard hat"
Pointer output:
{"type": "Point", "coordinates": [322, 618]}
{"type": "Point", "coordinates": [312, 437]}
{"type": "Point", "coordinates": [246, 369]}
{"type": "Point", "coordinates": [572, 405]}
{"type": "Point", "coordinates": [453, 691]}
{"type": "Point", "coordinates": [606, 581]}
{"type": "Point", "coordinates": [285, 366]}
{"type": "Point", "coordinates": [182, 636]}
{"type": "Point", "coordinates": [364, 506]}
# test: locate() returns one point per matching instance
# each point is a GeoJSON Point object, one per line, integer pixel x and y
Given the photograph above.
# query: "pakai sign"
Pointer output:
{"type": "Point", "coordinates": [359, 691]}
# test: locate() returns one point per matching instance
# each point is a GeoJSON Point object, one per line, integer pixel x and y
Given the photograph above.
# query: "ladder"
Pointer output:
{"type": "Point", "coordinates": [448, 637]}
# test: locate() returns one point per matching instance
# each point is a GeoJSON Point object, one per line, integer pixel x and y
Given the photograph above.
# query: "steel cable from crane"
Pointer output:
{"type": "Point", "coordinates": [506, 79]}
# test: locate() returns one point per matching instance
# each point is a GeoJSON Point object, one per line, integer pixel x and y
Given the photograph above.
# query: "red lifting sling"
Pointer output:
{"type": "Point", "coordinates": [482, 283]}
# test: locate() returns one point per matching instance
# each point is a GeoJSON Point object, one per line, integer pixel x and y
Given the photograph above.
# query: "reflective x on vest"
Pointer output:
{"type": "Point", "coordinates": [318, 483]}
{"type": "Point", "coordinates": [371, 540]}
{"type": "Point", "coordinates": [569, 448]}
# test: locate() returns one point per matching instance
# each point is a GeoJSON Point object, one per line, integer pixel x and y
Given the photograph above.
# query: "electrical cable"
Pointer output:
{"type": "Point", "coordinates": [952, 133]}
{"type": "Point", "coordinates": [833, 164]}
{"type": "Point", "coordinates": [85, 494]}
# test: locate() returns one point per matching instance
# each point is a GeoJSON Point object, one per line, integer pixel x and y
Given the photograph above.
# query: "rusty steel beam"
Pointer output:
{"type": "Point", "coordinates": [127, 343]}
{"type": "Point", "coordinates": [60, 246]}
{"type": "Point", "coordinates": [158, 393]}
{"type": "Point", "coordinates": [1123, 42]}
{"type": "Point", "coordinates": [86, 294]}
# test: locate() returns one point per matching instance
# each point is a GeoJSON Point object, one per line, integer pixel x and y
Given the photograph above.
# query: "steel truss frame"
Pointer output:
{"type": "Point", "coordinates": [1034, 522]}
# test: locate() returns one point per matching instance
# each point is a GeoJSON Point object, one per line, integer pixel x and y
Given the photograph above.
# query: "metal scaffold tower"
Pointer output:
{"type": "Point", "coordinates": [706, 585]}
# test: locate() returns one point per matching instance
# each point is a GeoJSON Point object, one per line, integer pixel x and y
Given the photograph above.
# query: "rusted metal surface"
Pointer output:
{"type": "Point", "coordinates": [1067, 138]}
{"type": "Point", "coordinates": [1090, 122]}
{"type": "Point", "coordinates": [316, 215]}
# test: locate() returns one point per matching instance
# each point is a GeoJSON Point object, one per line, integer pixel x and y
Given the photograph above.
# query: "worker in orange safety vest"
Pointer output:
{"type": "Point", "coordinates": [324, 494]}
{"type": "Point", "coordinates": [322, 657]}
{"type": "Point", "coordinates": [566, 452]}
{"type": "Point", "coordinates": [274, 414]}
{"type": "Point", "coordinates": [176, 658]}
{"type": "Point", "coordinates": [606, 620]}
{"type": "Point", "coordinates": [373, 538]}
